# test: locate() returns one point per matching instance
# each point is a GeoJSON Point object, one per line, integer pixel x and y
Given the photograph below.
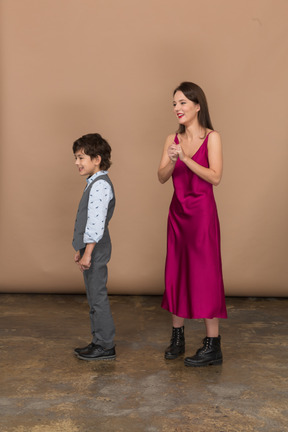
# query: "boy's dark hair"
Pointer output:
{"type": "Point", "coordinates": [94, 145]}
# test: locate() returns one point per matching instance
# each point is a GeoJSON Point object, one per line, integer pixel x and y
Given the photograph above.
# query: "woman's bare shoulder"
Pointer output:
{"type": "Point", "coordinates": [212, 132]}
{"type": "Point", "coordinates": [171, 136]}
{"type": "Point", "coordinates": [169, 139]}
{"type": "Point", "coordinates": [214, 141]}
{"type": "Point", "coordinates": [214, 136]}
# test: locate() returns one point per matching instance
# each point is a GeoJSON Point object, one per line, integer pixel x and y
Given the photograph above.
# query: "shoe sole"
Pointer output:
{"type": "Point", "coordinates": [173, 357]}
{"type": "Point", "coordinates": [210, 363]}
{"type": "Point", "coordinates": [96, 358]}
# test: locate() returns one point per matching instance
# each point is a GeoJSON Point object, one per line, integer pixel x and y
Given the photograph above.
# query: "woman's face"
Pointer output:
{"type": "Point", "coordinates": [185, 110]}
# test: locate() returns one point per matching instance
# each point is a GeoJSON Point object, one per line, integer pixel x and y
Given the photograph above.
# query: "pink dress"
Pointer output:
{"type": "Point", "coordinates": [193, 272]}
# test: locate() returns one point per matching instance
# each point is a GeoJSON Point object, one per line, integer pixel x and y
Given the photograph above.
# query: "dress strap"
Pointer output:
{"type": "Point", "coordinates": [209, 133]}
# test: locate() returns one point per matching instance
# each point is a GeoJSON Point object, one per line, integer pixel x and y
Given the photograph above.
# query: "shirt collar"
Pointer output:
{"type": "Point", "coordinates": [93, 177]}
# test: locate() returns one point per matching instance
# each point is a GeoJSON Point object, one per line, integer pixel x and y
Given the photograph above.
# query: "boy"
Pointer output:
{"type": "Point", "coordinates": [92, 241]}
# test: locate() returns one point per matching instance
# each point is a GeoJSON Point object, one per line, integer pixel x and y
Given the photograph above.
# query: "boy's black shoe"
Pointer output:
{"type": "Point", "coordinates": [87, 348]}
{"type": "Point", "coordinates": [98, 353]}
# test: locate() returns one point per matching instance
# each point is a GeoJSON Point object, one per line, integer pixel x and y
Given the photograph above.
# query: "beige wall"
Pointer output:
{"type": "Point", "coordinates": [71, 67]}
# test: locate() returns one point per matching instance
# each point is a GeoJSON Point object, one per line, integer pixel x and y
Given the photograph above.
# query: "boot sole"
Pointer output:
{"type": "Point", "coordinates": [210, 363]}
{"type": "Point", "coordinates": [173, 357]}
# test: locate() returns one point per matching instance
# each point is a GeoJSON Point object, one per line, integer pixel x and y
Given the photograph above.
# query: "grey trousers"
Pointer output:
{"type": "Point", "coordinates": [102, 324]}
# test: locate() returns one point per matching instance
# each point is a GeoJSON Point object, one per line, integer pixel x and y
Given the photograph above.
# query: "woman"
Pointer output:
{"type": "Point", "coordinates": [193, 272]}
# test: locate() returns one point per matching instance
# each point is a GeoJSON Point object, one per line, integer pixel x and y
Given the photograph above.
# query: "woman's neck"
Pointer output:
{"type": "Point", "coordinates": [194, 131]}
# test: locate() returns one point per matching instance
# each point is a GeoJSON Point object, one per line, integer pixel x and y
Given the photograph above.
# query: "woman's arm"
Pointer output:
{"type": "Point", "coordinates": [212, 174]}
{"type": "Point", "coordinates": [168, 160]}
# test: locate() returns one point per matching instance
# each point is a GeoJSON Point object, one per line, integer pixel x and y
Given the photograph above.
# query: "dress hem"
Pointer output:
{"type": "Point", "coordinates": [220, 316]}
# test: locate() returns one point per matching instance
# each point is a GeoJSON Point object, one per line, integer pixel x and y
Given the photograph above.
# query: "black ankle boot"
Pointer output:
{"type": "Point", "coordinates": [177, 344]}
{"type": "Point", "coordinates": [209, 354]}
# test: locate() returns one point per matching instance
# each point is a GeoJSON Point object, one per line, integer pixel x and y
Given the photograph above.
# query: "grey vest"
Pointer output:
{"type": "Point", "coordinates": [81, 218]}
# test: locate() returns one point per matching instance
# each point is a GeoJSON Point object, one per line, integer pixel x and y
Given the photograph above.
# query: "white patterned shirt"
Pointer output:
{"type": "Point", "coordinates": [99, 197]}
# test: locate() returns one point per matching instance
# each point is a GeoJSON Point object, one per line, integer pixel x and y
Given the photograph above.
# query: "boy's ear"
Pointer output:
{"type": "Point", "coordinates": [98, 160]}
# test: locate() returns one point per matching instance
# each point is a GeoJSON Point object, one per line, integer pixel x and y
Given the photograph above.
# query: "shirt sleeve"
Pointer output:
{"type": "Point", "coordinates": [99, 198]}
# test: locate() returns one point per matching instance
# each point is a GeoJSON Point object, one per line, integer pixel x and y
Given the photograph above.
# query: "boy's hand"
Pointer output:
{"type": "Point", "coordinates": [85, 262]}
{"type": "Point", "coordinates": [77, 257]}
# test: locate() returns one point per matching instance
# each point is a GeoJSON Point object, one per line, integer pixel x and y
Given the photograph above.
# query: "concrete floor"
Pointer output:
{"type": "Point", "coordinates": [44, 387]}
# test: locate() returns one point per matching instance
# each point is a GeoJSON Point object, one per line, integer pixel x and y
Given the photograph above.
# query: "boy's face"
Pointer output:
{"type": "Point", "coordinates": [86, 165]}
